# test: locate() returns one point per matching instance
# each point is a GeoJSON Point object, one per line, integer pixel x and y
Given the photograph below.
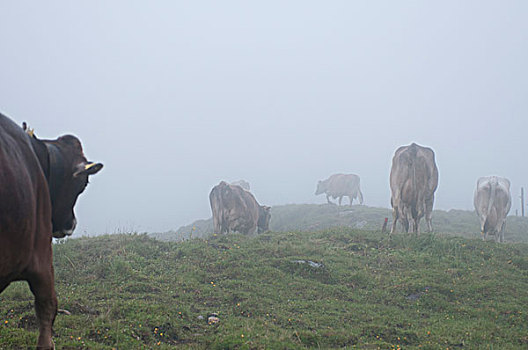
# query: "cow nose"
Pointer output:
{"type": "Point", "coordinates": [68, 232]}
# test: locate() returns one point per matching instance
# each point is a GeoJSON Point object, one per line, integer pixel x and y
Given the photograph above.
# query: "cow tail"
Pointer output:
{"type": "Point", "coordinates": [493, 190]}
{"type": "Point", "coordinates": [360, 197]}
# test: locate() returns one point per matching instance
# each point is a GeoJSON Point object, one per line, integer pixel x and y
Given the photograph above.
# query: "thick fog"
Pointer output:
{"type": "Point", "coordinates": [175, 96]}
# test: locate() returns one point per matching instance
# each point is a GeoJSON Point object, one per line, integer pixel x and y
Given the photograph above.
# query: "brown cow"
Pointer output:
{"type": "Point", "coordinates": [236, 210]}
{"type": "Point", "coordinates": [413, 181]}
{"type": "Point", "coordinates": [40, 181]}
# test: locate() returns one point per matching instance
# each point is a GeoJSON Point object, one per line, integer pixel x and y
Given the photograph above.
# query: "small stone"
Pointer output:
{"type": "Point", "coordinates": [213, 318]}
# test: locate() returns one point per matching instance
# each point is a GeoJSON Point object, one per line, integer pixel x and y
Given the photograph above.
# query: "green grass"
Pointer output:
{"type": "Point", "coordinates": [313, 217]}
{"type": "Point", "coordinates": [372, 291]}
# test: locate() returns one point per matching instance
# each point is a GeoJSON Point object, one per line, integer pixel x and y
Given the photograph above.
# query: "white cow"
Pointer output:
{"type": "Point", "coordinates": [492, 202]}
{"type": "Point", "coordinates": [339, 186]}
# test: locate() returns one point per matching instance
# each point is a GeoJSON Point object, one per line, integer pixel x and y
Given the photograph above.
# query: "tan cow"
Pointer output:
{"type": "Point", "coordinates": [492, 202]}
{"type": "Point", "coordinates": [236, 210]}
{"type": "Point", "coordinates": [413, 182]}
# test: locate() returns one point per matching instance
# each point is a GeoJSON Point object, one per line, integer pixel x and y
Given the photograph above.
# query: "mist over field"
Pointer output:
{"type": "Point", "coordinates": [174, 97]}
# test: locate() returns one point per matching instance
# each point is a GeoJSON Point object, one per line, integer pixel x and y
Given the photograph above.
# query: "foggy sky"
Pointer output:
{"type": "Point", "coordinates": [175, 96]}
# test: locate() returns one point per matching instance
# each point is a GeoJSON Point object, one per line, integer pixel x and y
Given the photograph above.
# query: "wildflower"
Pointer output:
{"type": "Point", "coordinates": [242, 336]}
{"type": "Point", "coordinates": [78, 338]}
{"type": "Point", "coordinates": [6, 321]}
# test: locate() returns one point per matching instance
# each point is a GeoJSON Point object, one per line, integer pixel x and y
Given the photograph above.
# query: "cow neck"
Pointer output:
{"type": "Point", "coordinates": [55, 169]}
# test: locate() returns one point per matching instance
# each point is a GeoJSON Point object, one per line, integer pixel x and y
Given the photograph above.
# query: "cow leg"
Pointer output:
{"type": "Point", "coordinates": [328, 199]}
{"type": "Point", "coordinates": [503, 228]}
{"type": "Point", "coordinates": [394, 220]}
{"type": "Point", "coordinates": [42, 286]}
{"type": "Point", "coordinates": [351, 199]}
{"type": "Point", "coordinates": [429, 213]}
{"type": "Point", "coordinates": [409, 221]}
{"type": "Point", "coordinates": [410, 225]}
{"type": "Point", "coordinates": [340, 199]}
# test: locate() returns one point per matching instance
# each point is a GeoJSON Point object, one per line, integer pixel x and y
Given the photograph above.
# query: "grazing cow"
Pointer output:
{"type": "Point", "coordinates": [413, 182]}
{"type": "Point", "coordinates": [492, 202]}
{"type": "Point", "coordinates": [242, 183]}
{"type": "Point", "coordinates": [236, 210]}
{"type": "Point", "coordinates": [40, 181]}
{"type": "Point", "coordinates": [339, 186]}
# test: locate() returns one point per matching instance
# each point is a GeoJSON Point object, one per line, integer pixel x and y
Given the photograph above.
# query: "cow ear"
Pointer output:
{"type": "Point", "coordinates": [88, 168]}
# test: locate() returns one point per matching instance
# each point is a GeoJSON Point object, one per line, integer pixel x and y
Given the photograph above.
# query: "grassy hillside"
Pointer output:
{"type": "Point", "coordinates": [287, 290]}
{"type": "Point", "coordinates": [312, 217]}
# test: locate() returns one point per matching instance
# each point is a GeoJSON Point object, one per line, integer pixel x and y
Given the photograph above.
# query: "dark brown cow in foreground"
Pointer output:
{"type": "Point", "coordinates": [236, 210]}
{"type": "Point", "coordinates": [40, 181]}
{"type": "Point", "coordinates": [413, 181]}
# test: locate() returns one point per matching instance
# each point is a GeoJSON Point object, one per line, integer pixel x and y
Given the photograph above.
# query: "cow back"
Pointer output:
{"type": "Point", "coordinates": [342, 185]}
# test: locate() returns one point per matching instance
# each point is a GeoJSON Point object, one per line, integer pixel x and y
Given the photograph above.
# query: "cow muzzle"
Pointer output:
{"type": "Point", "coordinates": [65, 232]}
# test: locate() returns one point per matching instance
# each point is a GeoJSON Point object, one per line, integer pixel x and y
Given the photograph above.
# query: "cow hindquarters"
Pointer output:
{"type": "Point", "coordinates": [42, 286]}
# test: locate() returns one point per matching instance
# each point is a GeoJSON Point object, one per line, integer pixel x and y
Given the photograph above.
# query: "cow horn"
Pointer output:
{"type": "Point", "coordinates": [88, 166]}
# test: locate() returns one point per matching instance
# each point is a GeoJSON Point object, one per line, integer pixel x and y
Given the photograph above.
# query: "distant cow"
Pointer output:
{"type": "Point", "coordinates": [236, 210]}
{"type": "Point", "coordinates": [40, 181]}
{"type": "Point", "coordinates": [492, 202]}
{"type": "Point", "coordinates": [339, 186]}
{"type": "Point", "coordinates": [242, 183]}
{"type": "Point", "coordinates": [413, 182]}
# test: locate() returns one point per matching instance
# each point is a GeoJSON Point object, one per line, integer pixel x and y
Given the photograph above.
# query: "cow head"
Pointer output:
{"type": "Point", "coordinates": [264, 218]}
{"type": "Point", "coordinates": [67, 171]}
{"type": "Point", "coordinates": [321, 187]}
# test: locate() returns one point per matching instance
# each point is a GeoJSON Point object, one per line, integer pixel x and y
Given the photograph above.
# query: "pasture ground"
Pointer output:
{"type": "Point", "coordinates": [316, 217]}
{"type": "Point", "coordinates": [336, 288]}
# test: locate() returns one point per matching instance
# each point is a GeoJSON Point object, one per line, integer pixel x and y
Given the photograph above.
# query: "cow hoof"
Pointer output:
{"type": "Point", "coordinates": [52, 347]}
